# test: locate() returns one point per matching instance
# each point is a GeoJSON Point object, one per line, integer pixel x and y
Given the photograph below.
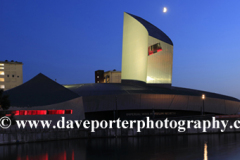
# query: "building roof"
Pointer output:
{"type": "Point", "coordinates": [11, 62]}
{"type": "Point", "coordinates": [39, 91]}
{"type": "Point", "coordinates": [94, 89]}
{"type": "Point", "coordinates": [153, 30]}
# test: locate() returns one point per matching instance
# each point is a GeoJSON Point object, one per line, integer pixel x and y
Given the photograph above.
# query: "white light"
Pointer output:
{"type": "Point", "coordinates": [149, 78]}
{"type": "Point", "coordinates": [164, 9]}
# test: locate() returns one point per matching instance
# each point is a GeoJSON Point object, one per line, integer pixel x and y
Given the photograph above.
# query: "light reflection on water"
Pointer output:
{"type": "Point", "coordinates": [205, 151]}
{"type": "Point", "coordinates": [199, 147]}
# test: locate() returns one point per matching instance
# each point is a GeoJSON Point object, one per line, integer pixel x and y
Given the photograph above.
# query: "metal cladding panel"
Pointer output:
{"type": "Point", "coordinates": [159, 101]}
{"type": "Point", "coordinates": [156, 101]}
{"type": "Point", "coordinates": [99, 103]}
{"type": "Point", "coordinates": [106, 103]}
{"type": "Point", "coordinates": [153, 30]}
{"type": "Point", "coordinates": [134, 50]}
{"type": "Point", "coordinates": [159, 67]}
{"type": "Point", "coordinates": [179, 103]}
{"type": "Point", "coordinates": [214, 105]}
{"type": "Point", "coordinates": [195, 103]}
{"type": "Point", "coordinates": [126, 102]}
{"type": "Point", "coordinates": [232, 107]}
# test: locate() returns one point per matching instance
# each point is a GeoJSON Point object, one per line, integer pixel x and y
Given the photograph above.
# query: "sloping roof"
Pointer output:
{"type": "Point", "coordinates": [153, 30]}
{"type": "Point", "coordinates": [39, 91]}
{"type": "Point", "coordinates": [95, 89]}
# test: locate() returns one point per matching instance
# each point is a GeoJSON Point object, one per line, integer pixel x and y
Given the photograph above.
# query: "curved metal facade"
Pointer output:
{"type": "Point", "coordinates": [134, 50]}
{"type": "Point", "coordinates": [159, 102]}
{"type": "Point", "coordinates": [125, 97]}
{"type": "Point", "coordinates": [147, 52]}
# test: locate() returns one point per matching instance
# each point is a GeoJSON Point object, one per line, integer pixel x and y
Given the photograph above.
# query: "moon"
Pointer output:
{"type": "Point", "coordinates": [164, 9]}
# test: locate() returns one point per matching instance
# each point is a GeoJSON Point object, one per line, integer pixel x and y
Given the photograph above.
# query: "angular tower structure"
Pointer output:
{"type": "Point", "coordinates": [147, 52]}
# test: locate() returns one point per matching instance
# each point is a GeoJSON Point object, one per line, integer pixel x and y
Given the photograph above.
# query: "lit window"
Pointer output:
{"type": "Point", "coordinates": [1, 67]}
{"type": "Point", "coordinates": [97, 81]}
{"type": "Point", "coordinates": [97, 76]}
{"type": "Point", "coordinates": [1, 64]}
{"type": "Point", "coordinates": [154, 49]}
{"type": "Point", "coordinates": [1, 79]}
{"type": "Point", "coordinates": [1, 72]}
{"type": "Point", "coordinates": [2, 86]}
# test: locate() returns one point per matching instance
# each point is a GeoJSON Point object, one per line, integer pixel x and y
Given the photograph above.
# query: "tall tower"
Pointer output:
{"type": "Point", "coordinates": [147, 52]}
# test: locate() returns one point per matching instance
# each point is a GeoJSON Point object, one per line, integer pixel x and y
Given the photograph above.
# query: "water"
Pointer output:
{"type": "Point", "coordinates": [192, 147]}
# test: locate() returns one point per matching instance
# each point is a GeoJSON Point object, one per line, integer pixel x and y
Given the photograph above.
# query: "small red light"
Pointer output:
{"type": "Point", "coordinates": [29, 112]}
{"type": "Point", "coordinates": [41, 112]}
{"type": "Point", "coordinates": [56, 112]}
{"type": "Point", "coordinates": [68, 111]}
{"type": "Point", "coordinates": [23, 112]}
{"type": "Point", "coordinates": [15, 113]}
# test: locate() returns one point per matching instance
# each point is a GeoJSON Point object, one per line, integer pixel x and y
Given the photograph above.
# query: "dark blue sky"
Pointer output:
{"type": "Point", "coordinates": [69, 40]}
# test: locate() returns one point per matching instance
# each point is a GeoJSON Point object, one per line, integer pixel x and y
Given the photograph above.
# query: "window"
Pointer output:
{"type": "Point", "coordinates": [97, 76]}
{"type": "Point", "coordinates": [1, 67]}
{"type": "Point", "coordinates": [154, 48]}
{"type": "Point", "coordinates": [1, 64]}
{"type": "Point", "coordinates": [1, 79]}
{"type": "Point", "coordinates": [2, 86]}
{"type": "Point", "coordinates": [97, 81]}
{"type": "Point", "coordinates": [8, 75]}
{"type": "Point", "coordinates": [17, 76]}
{"type": "Point", "coordinates": [12, 75]}
{"type": "Point", "coordinates": [1, 72]}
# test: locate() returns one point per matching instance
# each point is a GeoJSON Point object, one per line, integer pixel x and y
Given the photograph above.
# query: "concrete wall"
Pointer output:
{"type": "Point", "coordinates": [13, 75]}
{"type": "Point", "coordinates": [112, 77]}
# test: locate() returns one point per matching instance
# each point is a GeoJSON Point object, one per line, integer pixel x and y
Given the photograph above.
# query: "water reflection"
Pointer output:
{"type": "Point", "coordinates": [205, 151]}
{"type": "Point", "coordinates": [214, 146]}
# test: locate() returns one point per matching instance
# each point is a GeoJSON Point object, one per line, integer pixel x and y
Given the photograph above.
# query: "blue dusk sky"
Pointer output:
{"type": "Point", "coordinates": [69, 40]}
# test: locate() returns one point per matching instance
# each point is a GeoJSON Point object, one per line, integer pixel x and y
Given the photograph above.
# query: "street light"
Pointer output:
{"type": "Point", "coordinates": [203, 98]}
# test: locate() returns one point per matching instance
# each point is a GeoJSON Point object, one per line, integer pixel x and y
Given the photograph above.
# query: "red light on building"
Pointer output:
{"type": "Point", "coordinates": [150, 53]}
{"type": "Point", "coordinates": [56, 112]}
{"type": "Point", "coordinates": [154, 49]}
{"type": "Point", "coordinates": [23, 112]}
{"type": "Point", "coordinates": [41, 112]}
{"type": "Point", "coordinates": [68, 111]}
{"type": "Point", "coordinates": [15, 113]}
{"type": "Point", "coordinates": [159, 50]}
